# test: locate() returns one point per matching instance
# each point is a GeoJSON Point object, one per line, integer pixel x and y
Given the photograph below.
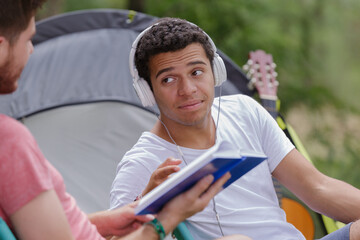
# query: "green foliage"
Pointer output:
{"type": "Point", "coordinates": [314, 97]}
{"type": "Point", "coordinates": [331, 137]}
{"type": "Point", "coordinates": [342, 168]}
{"type": "Point", "coordinates": [71, 5]}
{"type": "Point", "coordinates": [54, 7]}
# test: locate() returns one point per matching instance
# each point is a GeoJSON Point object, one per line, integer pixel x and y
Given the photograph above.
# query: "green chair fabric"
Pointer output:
{"type": "Point", "coordinates": [5, 232]}
{"type": "Point", "coordinates": [182, 233]}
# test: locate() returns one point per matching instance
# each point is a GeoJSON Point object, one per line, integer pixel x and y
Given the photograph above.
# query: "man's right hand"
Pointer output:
{"type": "Point", "coordinates": [163, 172]}
{"type": "Point", "coordinates": [190, 202]}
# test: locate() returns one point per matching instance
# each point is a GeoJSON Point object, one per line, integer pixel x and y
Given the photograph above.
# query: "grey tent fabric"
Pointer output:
{"type": "Point", "coordinates": [96, 72]}
{"type": "Point", "coordinates": [85, 143]}
{"type": "Point", "coordinates": [76, 97]}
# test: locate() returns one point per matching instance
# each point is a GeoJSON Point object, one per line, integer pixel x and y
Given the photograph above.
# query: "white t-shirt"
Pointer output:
{"type": "Point", "coordinates": [249, 206]}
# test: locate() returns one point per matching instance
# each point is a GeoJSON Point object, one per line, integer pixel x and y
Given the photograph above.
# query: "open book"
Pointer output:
{"type": "Point", "coordinates": [218, 160]}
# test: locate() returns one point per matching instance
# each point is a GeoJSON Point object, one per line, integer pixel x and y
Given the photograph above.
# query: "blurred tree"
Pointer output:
{"type": "Point", "coordinates": [51, 8]}
{"type": "Point", "coordinates": [136, 5]}
{"type": "Point", "coordinates": [71, 5]}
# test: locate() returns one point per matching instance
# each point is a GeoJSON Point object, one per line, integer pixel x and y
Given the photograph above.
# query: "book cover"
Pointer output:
{"type": "Point", "coordinates": [218, 160]}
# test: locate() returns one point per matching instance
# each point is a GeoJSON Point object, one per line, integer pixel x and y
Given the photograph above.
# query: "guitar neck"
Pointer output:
{"type": "Point", "coordinates": [270, 106]}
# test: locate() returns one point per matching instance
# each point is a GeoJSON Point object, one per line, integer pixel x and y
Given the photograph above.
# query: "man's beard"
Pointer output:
{"type": "Point", "coordinates": [9, 76]}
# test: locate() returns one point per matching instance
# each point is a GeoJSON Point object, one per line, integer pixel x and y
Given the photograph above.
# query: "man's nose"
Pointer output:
{"type": "Point", "coordinates": [187, 86]}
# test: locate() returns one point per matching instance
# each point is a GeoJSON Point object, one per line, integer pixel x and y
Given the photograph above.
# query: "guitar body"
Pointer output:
{"type": "Point", "coordinates": [261, 72]}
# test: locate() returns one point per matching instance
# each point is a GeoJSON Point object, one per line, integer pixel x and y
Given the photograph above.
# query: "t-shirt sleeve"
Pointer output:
{"type": "Point", "coordinates": [23, 169]}
{"type": "Point", "coordinates": [131, 178]}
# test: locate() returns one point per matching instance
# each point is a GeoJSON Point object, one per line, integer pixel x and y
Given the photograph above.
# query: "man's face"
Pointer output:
{"type": "Point", "coordinates": [183, 85]}
{"type": "Point", "coordinates": [13, 58]}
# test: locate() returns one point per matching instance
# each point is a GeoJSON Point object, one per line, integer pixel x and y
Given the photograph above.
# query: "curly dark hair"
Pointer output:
{"type": "Point", "coordinates": [168, 35]}
{"type": "Point", "coordinates": [15, 16]}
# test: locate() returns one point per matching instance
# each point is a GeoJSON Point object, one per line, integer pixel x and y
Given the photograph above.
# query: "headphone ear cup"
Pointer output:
{"type": "Point", "coordinates": [144, 92]}
{"type": "Point", "coordinates": [219, 69]}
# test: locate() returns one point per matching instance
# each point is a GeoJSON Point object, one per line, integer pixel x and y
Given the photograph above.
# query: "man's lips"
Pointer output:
{"type": "Point", "coordinates": [191, 104]}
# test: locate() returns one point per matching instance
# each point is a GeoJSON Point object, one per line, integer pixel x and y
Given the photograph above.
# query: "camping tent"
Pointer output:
{"type": "Point", "coordinates": [76, 97]}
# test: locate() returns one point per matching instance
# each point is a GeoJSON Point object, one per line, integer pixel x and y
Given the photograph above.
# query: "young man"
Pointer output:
{"type": "Point", "coordinates": [33, 200]}
{"type": "Point", "coordinates": [178, 62]}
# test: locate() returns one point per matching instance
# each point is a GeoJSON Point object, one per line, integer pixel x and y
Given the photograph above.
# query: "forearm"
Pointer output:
{"type": "Point", "coordinates": [337, 199]}
{"type": "Point", "coordinates": [321, 193]}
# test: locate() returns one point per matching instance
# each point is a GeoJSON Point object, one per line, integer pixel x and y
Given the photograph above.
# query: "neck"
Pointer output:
{"type": "Point", "coordinates": [200, 136]}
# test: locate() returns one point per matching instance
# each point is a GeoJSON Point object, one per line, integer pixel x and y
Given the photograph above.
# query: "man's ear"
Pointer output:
{"type": "Point", "coordinates": [3, 41]}
{"type": "Point", "coordinates": [4, 47]}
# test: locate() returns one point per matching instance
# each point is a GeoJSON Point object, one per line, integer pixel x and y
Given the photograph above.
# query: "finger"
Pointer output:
{"type": "Point", "coordinates": [166, 171]}
{"type": "Point", "coordinates": [133, 204]}
{"type": "Point", "coordinates": [216, 187]}
{"type": "Point", "coordinates": [170, 161]}
{"type": "Point", "coordinates": [144, 218]}
{"type": "Point", "coordinates": [201, 186]}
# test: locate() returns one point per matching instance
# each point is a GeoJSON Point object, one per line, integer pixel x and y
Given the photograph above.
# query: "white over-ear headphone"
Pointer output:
{"type": "Point", "coordinates": [142, 88]}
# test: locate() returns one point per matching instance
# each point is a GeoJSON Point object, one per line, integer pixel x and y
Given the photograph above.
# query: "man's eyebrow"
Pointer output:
{"type": "Point", "coordinates": [195, 63]}
{"type": "Point", "coordinates": [171, 68]}
{"type": "Point", "coordinates": [164, 70]}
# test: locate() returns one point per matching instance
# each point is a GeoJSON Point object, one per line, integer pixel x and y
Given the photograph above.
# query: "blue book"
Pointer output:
{"type": "Point", "coordinates": [218, 160]}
